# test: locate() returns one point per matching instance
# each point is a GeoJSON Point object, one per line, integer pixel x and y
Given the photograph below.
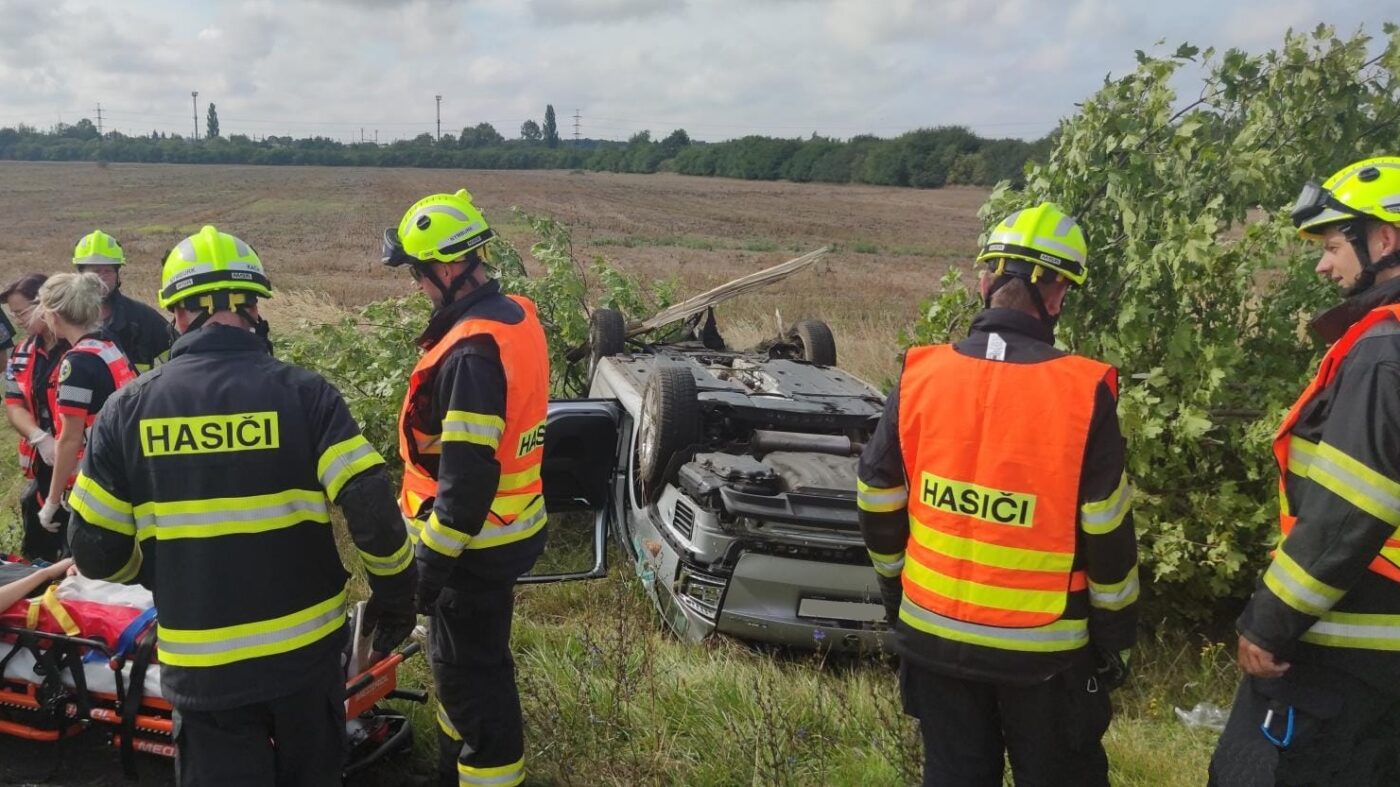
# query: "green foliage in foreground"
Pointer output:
{"type": "Point", "coordinates": [1194, 293]}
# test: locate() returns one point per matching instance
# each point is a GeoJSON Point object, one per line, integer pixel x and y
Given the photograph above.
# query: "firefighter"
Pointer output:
{"type": "Point", "coordinates": [138, 329]}
{"type": "Point", "coordinates": [471, 435]}
{"type": "Point", "coordinates": [995, 506]}
{"type": "Point", "coordinates": [90, 372]}
{"type": "Point", "coordinates": [1320, 639]}
{"type": "Point", "coordinates": [209, 480]}
{"type": "Point", "coordinates": [27, 377]}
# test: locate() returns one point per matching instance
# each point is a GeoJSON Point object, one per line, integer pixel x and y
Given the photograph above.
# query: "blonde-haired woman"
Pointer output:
{"type": "Point", "coordinates": [90, 372]}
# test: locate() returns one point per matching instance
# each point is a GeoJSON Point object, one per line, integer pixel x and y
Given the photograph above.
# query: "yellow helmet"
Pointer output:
{"type": "Point", "coordinates": [1368, 189]}
{"type": "Point", "coordinates": [210, 262]}
{"type": "Point", "coordinates": [1030, 241]}
{"type": "Point", "coordinates": [98, 248]}
{"type": "Point", "coordinates": [438, 228]}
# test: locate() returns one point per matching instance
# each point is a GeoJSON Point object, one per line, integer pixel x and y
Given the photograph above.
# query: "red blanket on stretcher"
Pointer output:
{"type": "Point", "coordinates": [87, 619]}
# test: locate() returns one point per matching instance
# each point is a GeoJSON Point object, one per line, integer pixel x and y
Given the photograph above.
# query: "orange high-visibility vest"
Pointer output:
{"type": "Point", "coordinates": [517, 512]}
{"type": "Point", "coordinates": [1295, 451]}
{"type": "Point", "coordinates": [118, 365]}
{"type": "Point", "coordinates": [993, 454]}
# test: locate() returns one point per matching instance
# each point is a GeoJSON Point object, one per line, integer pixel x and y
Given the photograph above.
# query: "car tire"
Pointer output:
{"type": "Point", "coordinates": [607, 331]}
{"type": "Point", "coordinates": [816, 340]}
{"type": "Point", "coordinates": [670, 420]}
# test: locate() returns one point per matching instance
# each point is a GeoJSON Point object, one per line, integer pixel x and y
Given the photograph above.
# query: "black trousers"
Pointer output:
{"type": "Point", "coordinates": [1344, 732]}
{"type": "Point", "coordinates": [1052, 731]}
{"type": "Point", "coordinates": [38, 543]}
{"type": "Point", "coordinates": [480, 727]}
{"type": "Point", "coordinates": [289, 742]}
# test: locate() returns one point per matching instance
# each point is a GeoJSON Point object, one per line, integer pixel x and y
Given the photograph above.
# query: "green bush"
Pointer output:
{"type": "Point", "coordinates": [1197, 296]}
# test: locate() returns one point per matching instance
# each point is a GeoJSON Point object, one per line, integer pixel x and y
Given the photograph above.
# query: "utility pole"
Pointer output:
{"type": "Point", "coordinates": [376, 136]}
{"type": "Point", "coordinates": [194, 103]}
{"type": "Point", "coordinates": [576, 119]}
{"type": "Point", "coordinates": [439, 118]}
{"type": "Point", "coordinates": [99, 119]}
{"type": "Point", "coordinates": [362, 135]}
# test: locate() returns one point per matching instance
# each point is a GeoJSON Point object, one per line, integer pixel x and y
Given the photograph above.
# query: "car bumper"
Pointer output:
{"type": "Point", "coordinates": [804, 604]}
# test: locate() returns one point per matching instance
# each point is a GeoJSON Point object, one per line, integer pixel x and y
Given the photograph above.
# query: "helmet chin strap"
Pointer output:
{"type": "Point", "coordinates": [1003, 279]}
{"type": "Point", "coordinates": [449, 290]}
{"type": "Point", "coordinates": [1355, 233]}
{"type": "Point", "coordinates": [204, 307]}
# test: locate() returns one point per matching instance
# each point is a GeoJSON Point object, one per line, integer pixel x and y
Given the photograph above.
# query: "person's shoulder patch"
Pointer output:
{"type": "Point", "coordinates": [65, 369]}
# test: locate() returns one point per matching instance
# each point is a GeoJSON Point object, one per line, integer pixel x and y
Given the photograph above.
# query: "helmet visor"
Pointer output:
{"type": "Point", "coordinates": [1313, 201]}
{"type": "Point", "coordinates": [392, 253]}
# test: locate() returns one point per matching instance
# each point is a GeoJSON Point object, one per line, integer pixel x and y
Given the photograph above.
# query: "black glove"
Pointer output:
{"type": "Point", "coordinates": [892, 594]}
{"type": "Point", "coordinates": [389, 613]}
{"type": "Point", "coordinates": [433, 571]}
{"type": "Point", "coordinates": [1112, 668]}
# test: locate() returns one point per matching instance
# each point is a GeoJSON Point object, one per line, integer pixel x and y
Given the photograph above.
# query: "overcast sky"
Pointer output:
{"type": "Point", "coordinates": [718, 68]}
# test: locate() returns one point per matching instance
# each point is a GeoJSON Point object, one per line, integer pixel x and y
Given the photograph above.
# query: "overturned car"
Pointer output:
{"type": "Point", "coordinates": [728, 479]}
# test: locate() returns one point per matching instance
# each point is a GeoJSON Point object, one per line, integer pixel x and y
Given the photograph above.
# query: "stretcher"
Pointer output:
{"type": "Point", "coordinates": [84, 656]}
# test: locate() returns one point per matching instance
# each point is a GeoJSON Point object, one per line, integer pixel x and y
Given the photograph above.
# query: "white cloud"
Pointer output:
{"type": "Point", "coordinates": [562, 12]}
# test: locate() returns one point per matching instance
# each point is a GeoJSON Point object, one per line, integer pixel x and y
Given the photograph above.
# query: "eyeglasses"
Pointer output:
{"type": "Point", "coordinates": [24, 314]}
{"type": "Point", "coordinates": [415, 272]}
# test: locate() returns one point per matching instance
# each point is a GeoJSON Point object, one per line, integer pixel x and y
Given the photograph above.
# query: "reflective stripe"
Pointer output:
{"type": "Point", "coordinates": [1004, 598]}
{"type": "Point", "coordinates": [1038, 242]}
{"type": "Point", "coordinates": [343, 461]}
{"type": "Point", "coordinates": [1117, 595]}
{"type": "Point", "coordinates": [12, 388]}
{"type": "Point", "coordinates": [512, 481]}
{"type": "Point", "coordinates": [388, 566]}
{"type": "Point", "coordinates": [1298, 589]}
{"type": "Point", "coordinates": [881, 500]}
{"type": "Point", "coordinates": [108, 352]}
{"type": "Point", "coordinates": [1104, 516]}
{"type": "Point", "coordinates": [97, 259]}
{"type": "Point", "coordinates": [887, 565]}
{"type": "Point", "coordinates": [129, 571]}
{"type": "Point", "coordinates": [1006, 236]}
{"type": "Point", "coordinates": [989, 554]}
{"type": "Point", "coordinates": [459, 426]}
{"type": "Point", "coordinates": [530, 522]}
{"type": "Point", "coordinates": [1300, 455]}
{"type": "Point", "coordinates": [445, 724]}
{"type": "Point", "coordinates": [1058, 636]}
{"type": "Point", "coordinates": [443, 539]}
{"type": "Point", "coordinates": [73, 393]}
{"type": "Point", "coordinates": [1065, 224]}
{"type": "Point", "coordinates": [214, 647]}
{"type": "Point", "coordinates": [1355, 630]}
{"type": "Point", "coordinates": [499, 776]}
{"type": "Point", "coordinates": [99, 507]}
{"type": "Point", "coordinates": [224, 516]}
{"type": "Point", "coordinates": [1357, 484]}
{"type": "Point", "coordinates": [446, 210]}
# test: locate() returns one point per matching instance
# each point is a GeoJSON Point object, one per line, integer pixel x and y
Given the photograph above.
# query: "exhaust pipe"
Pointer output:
{"type": "Point", "coordinates": [767, 441]}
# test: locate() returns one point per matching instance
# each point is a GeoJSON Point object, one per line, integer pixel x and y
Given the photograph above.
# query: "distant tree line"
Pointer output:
{"type": "Point", "coordinates": [927, 158]}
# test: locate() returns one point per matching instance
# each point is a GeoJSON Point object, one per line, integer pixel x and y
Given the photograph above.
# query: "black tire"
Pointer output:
{"type": "Point", "coordinates": [607, 330]}
{"type": "Point", "coordinates": [670, 420]}
{"type": "Point", "coordinates": [817, 343]}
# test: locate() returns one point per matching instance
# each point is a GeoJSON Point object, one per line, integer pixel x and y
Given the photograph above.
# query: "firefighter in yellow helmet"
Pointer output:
{"type": "Point", "coordinates": [1320, 639]}
{"type": "Point", "coordinates": [210, 481]}
{"type": "Point", "coordinates": [471, 437]}
{"type": "Point", "coordinates": [995, 506]}
{"type": "Point", "coordinates": [141, 333]}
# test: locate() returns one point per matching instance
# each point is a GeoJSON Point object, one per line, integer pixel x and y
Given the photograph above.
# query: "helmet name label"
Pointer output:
{"type": "Point", "coordinates": [209, 434]}
{"type": "Point", "coordinates": [989, 505]}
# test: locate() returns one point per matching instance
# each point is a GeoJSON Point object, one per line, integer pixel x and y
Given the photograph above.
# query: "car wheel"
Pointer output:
{"type": "Point", "coordinates": [815, 339]}
{"type": "Point", "coordinates": [670, 420]}
{"type": "Point", "coordinates": [607, 330]}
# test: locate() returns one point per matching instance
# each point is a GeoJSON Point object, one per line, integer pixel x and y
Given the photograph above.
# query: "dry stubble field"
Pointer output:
{"type": "Point", "coordinates": [318, 229]}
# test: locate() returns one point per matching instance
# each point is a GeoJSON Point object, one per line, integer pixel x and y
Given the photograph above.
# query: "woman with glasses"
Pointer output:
{"type": "Point", "coordinates": [27, 406]}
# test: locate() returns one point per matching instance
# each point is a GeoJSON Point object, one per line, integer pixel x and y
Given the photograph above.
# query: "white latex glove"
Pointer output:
{"type": "Point", "coordinates": [48, 514]}
{"type": "Point", "coordinates": [43, 442]}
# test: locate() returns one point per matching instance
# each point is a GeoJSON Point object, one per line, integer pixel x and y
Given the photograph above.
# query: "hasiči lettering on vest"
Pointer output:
{"type": "Point", "coordinates": [989, 505]}
{"type": "Point", "coordinates": [531, 440]}
{"type": "Point", "coordinates": [209, 434]}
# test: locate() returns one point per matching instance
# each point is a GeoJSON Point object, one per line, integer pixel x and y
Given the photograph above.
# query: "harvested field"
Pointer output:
{"type": "Point", "coordinates": [318, 229]}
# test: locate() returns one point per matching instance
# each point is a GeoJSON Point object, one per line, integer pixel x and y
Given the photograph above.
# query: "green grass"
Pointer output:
{"type": "Point", "coordinates": [612, 699]}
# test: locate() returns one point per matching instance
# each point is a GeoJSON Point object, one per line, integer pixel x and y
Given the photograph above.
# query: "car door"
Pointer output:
{"type": "Point", "coordinates": [580, 465]}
